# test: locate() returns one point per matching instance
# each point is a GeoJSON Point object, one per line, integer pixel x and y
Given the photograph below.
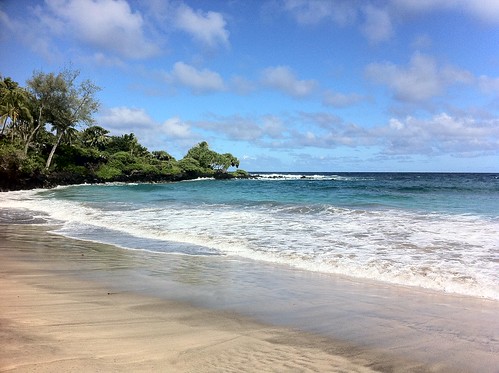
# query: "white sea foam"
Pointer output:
{"type": "Point", "coordinates": [451, 253]}
{"type": "Point", "coordinates": [282, 176]}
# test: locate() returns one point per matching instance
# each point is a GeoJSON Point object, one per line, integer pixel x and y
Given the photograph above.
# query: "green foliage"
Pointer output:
{"type": "Point", "coordinates": [77, 155]}
{"type": "Point", "coordinates": [76, 170]}
{"type": "Point", "coordinates": [127, 143]}
{"type": "Point", "coordinates": [240, 173]}
{"type": "Point", "coordinates": [63, 103]}
{"type": "Point", "coordinates": [32, 164]}
{"type": "Point", "coordinates": [202, 154]}
{"type": "Point", "coordinates": [161, 155]}
{"type": "Point", "coordinates": [170, 168]}
{"type": "Point", "coordinates": [142, 167]}
{"type": "Point", "coordinates": [95, 136]}
{"type": "Point", "coordinates": [123, 158]}
{"type": "Point", "coordinates": [15, 114]}
{"type": "Point", "coordinates": [221, 162]}
{"type": "Point", "coordinates": [10, 157]}
{"type": "Point", "coordinates": [108, 172]}
{"type": "Point", "coordinates": [189, 164]}
{"type": "Point", "coordinates": [209, 160]}
{"type": "Point", "coordinates": [28, 149]}
{"type": "Point", "coordinates": [14, 165]}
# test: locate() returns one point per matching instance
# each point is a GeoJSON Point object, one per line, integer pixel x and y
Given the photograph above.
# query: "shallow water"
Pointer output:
{"type": "Point", "coordinates": [434, 231]}
{"type": "Point", "coordinates": [442, 331]}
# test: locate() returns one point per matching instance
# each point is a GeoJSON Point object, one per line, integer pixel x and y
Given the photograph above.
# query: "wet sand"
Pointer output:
{"type": "Point", "coordinates": [69, 305]}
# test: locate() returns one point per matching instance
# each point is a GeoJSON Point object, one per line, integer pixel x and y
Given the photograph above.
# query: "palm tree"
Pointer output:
{"type": "Point", "coordinates": [132, 144]}
{"type": "Point", "coordinates": [13, 104]}
{"type": "Point", "coordinates": [95, 136]}
{"type": "Point", "coordinates": [65, 132]}
{"type": "Point", "coordinates": [5, 112]}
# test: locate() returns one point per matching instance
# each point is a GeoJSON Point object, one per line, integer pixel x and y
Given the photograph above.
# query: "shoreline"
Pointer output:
{"type": "Point", "coordinates": [55, 322]}
{"type": "Point", "coordinates": [79, 326]}
{"type": "Point", "coordinates": [68, 305]}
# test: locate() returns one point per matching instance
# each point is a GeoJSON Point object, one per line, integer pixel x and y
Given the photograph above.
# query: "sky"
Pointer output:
{"type": "Point", "coordinates": [284, 85]}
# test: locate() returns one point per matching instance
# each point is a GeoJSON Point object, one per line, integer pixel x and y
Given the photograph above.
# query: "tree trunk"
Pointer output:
{"type": "Point", "coordinates": [4, 124]}
{"type": "Point", "coordinates": [52, 152]}
{"type": "Point", "coordinates": [30, 137]}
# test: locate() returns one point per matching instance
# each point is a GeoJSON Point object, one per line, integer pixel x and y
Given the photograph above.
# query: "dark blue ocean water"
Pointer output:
{"type": "Point", "coordinates": [438, 231]}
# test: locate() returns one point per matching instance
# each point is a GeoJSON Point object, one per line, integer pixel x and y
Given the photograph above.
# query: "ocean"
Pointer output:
{"type": "Point", "coordinates": [435, 231]}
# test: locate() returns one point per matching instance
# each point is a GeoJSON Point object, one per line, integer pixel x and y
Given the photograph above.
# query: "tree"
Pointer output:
{"type": "Point", "coordinates": [95, 136]}
{"type": "Point", "coordinates": [48, 91]}
{"type": "Point", "coordinates": [78, 104]}
{"type": "Point", "coordinates": [131, 142]}
{"type": "Point", "coordinates": [21, 119]}
{"type": "Point", "coordinates": [60, 102]}
{"type": "Point", "coordinates": [190, 165]}
{"type": "Point", "coordinates": [14, 104]}
{"type": "Point", "coordinates": [209, 159]}
{"type": "Point", "coordinates": [161, 155]}
{"type": "Point", "coordinates": [222, 162]}
{"type": "Point", "coordinates": [202, 153]}
{"type": "Point", "coordinates": [7, 85]}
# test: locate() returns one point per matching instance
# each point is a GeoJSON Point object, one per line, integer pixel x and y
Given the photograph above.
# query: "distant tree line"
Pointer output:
{"type": "Point", "coordinates": [48, 137]}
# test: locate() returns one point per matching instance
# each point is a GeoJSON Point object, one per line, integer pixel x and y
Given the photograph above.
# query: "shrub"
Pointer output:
{"type": "Point", "coordinates": [32, 164]}
{"type": "Point", "coordinates": [189, 164]}
{"type": "Point", "coordinates": [124, 157]}
{"type": "Point", "coordinates": [108, 172]}
{"type": "Point", "coordinates": [240, 173]}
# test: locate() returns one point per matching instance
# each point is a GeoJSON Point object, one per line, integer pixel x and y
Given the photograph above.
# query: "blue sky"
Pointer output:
{"type": "Point", "coordinates": [284, 85]}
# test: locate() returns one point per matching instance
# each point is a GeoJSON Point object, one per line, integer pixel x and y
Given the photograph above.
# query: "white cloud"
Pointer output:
{"type": "Point", "coordinates": [177, 129]}
{"type": "Point", "coordinates": [415, 6]}
{"type": "Point", "coordinates": [150, 132]}
{"type": "Point", "coordinates": [260, 131]}
{"type": "Point", "coordinates": [209, 28]}
{"type": "Point", "coordinates": [328, 131]}
{"type": "Point", "coordinates": [376, 19]}
{"type": "Point", "coordinates": [234, 127]}
{"type": "Point", "coordinates": [241, 85]}
{"type": "Point", "coordinates": [199, 81]}
{"type": "Point", "coordinates": [125, 119]}
{"type": "Point", "coordinates": [375, 22]}
{"type": "Point", "coordinates": [27, 31]}
{"type": "Point", "coordinates": [487, 11]}
{"type": "Point", "coordinates": [283, 78]}
{"type": "Point", "coordinates": [421, 80]}
{"type": "Point", "coordinates": [340, 100]}
{"type": "Point", "coordinates": [107, 25]}
{"type": "Point", "coordinates": [341, 12]}
{"type": "Point", "coordinates": [273, 127]}
{"type": "Point", "coordinates": [488, 84]}
{"type": "Point", "coordinates": [102, 59]}
{"type": "Point", "coordinates": [421, 42]}
{"type": "Point", "coordinates": [378, 25]}
{"type": "Point", "coordinates": [440, 134]}
{"type": "Point", "coordinates": [6, 23]}
{"type": "Point", "coordinates": [456, 135]}
{"type": "Point", "coordinates": [452, 75]}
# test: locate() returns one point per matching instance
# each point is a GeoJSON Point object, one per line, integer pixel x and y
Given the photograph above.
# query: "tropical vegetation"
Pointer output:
{"type": "Point", "coordinates": [48, 137]}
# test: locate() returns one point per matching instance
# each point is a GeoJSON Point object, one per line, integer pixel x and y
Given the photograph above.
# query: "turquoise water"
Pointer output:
{"type": "Point", "coordinates": [437, 231]}
{"type": "Point", "coordinates": [446, 193]}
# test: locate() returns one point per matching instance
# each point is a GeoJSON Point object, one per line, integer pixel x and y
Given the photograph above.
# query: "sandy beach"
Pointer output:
{"type": "Point", "coordinates": [55, 323]}
{"type": "Point", "coordinates": [54, 317]}
{"type": "Point", "coordinates": [51, 324]}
